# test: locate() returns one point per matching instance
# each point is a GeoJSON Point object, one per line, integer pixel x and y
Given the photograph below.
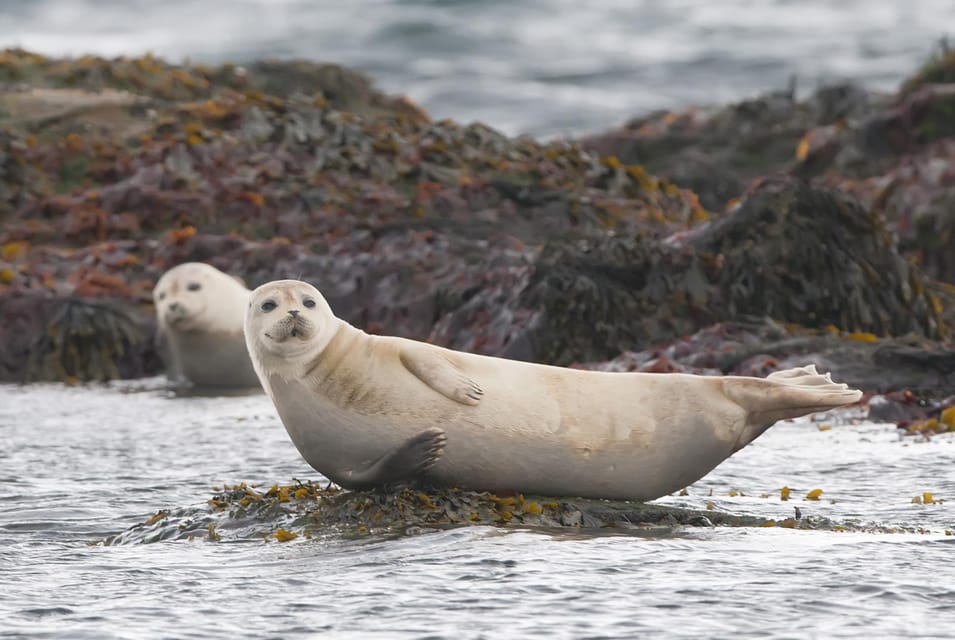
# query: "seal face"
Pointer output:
{"type": "Point", "coordinates": [200, 313]}
{"type": "Point", "coordinates": [369, 410]}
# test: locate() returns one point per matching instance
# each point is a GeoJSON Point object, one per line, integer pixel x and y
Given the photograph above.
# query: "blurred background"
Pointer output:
{"type": "Point", "coordinates": [542, 67]}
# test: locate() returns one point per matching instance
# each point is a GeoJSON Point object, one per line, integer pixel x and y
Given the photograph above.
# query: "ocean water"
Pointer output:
{"type": "Point", "coordinates": [543, 67]}
{"type": "Point", "coordinates": [78, 464]}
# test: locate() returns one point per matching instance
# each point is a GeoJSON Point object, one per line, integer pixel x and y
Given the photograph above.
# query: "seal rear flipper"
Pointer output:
{"type": "Point", "coordinates": [787, 394]}
{"type": "Point", "coordinates": [413, 457]}
{"type": "Point", "coordinates": [439, 373]}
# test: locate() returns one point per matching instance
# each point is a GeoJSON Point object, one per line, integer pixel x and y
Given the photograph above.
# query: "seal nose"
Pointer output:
{"type": "Point", "coordinates": [293, 313]}
{"type": "Point", "coordinates": [173, 306]}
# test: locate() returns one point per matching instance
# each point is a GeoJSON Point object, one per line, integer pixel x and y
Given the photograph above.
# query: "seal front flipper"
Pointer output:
{"type": "Point", "coordinates": [412, 458]}
{"type": "Point", "coordinates": [439, 373]}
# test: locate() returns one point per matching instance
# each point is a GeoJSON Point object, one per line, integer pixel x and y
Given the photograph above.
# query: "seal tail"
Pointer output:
{"type": "Point", "coordinates": [785, 394]}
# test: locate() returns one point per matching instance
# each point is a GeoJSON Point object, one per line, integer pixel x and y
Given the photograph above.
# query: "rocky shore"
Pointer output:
{"type": "Point", "coordinates": [734, 239]}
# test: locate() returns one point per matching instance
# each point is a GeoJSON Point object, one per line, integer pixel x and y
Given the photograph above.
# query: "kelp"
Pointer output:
{"type": "Point", "coordinates": [790, 251]}
{"type": "Point", "coordinates": [84, 340]}
{"type": "Point", "coordinates": [304, 510]}
{"type": "Point", "coordinates": [893, 151]}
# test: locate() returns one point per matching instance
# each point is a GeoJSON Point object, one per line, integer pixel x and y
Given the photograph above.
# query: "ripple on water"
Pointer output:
{"type": "Point", "coordinates": [470, 582]}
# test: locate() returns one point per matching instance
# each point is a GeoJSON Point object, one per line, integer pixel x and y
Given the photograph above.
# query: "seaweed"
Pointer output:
{"type": "Point", "coordinates": [84, 341]}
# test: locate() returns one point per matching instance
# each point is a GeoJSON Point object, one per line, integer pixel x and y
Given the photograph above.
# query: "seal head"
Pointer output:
{"type": "Point", "coordinates": [288, 324]}
{"type": "Point", "coordinates": [198, 297]}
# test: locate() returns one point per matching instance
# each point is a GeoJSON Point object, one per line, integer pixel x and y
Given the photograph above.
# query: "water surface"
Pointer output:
{"type": "Point", "coordinates": [78, 464]}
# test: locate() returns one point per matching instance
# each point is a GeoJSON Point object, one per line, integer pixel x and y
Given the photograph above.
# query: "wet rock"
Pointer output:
{"type": "Point", "coordinates": [307, 510]}
{"type": "Point", "coordinates": [433, 230]}
{"type": "Point", "coordinates": [790, 251]}
{"type": "Point", "coordinates": [151, 77]}
{"type": "Point", "coordinates": [717, 151]}
{"type": "Point", "coordinates": [894, 152]}
{"type": "Point", "coordinates": [47, 339]}
{"type": "Point", "coordinates": [940, 69]}
{"type": "Point", "coordinates": [758, 347]}
{"type": "Point", "coordinates": [908, 380]}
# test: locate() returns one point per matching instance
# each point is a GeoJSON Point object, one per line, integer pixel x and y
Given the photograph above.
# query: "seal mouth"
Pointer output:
{"type": "Point", "coordinates": [177, 320]}
{"type": "Point", "coordinates": [298, 328]}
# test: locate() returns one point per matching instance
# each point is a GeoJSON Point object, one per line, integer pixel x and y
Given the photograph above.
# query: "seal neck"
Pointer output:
{"type": "Point", "coordinates": [332, 348]}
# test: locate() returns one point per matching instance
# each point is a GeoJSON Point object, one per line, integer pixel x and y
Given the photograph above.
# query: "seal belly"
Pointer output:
{"type": "Point", "coordinates": [328, 435]}
{"type": "Point", "coordinates": [217, 359]}
{"type": "Point", "coordinates": [558, 434]}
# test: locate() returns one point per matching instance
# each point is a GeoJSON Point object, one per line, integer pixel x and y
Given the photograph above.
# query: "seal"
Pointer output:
{"type": "Point", "coordinates": [370, 410]}
{"type": "Point", "coordinates": [200, 312]}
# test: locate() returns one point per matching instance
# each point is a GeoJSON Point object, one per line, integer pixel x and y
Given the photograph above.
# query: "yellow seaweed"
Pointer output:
{"type": "Point", "coordinates": [283, 535]}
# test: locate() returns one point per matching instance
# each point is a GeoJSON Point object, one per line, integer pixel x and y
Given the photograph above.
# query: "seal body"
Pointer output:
{"type": "Point", "coordinates": [200, 312]}
{"type": "Point", "coordinates": [364, 409]}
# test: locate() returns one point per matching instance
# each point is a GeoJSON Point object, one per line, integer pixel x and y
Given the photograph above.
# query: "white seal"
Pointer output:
{"type": "Point", "coordinates": [200, 312]}
{"type": "Point", "coordinates": [369, 410]}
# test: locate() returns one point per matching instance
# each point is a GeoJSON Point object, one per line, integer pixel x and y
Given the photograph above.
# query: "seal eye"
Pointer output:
{"type": "Point", "coordinates": [162, 296]}
{"type": "Point", "coordinates": [268, 305]}
{"type": "Point", "coordinates": [308, 302]}
{"type": "Point", "coordinates": [194, 286]}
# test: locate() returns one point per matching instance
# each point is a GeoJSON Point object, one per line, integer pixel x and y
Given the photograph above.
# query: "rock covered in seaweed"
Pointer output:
{"type": "Point", "coordinates": [396, 218]}
{"type": "Point", "coordinates": [815, 257]}
{"type": "Point", "coordinates": [790, 251]}
{"type": "Point", "coordinates": [155, 79]}
{"type": "Point", "coordinates": [717, 151]}
{"type": "Point", "coordinates": [895, 153]}
{"type": "Point", "coordinates": [430, 230]}
{"type": "Point", "coordinates": [306, 509]}
{"type": "Point", "coordinates": [49, 339]}
{"type": "Point", "coordinates": [908, 380]}
{"type": "Point", "coordinates": [758, 347]}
